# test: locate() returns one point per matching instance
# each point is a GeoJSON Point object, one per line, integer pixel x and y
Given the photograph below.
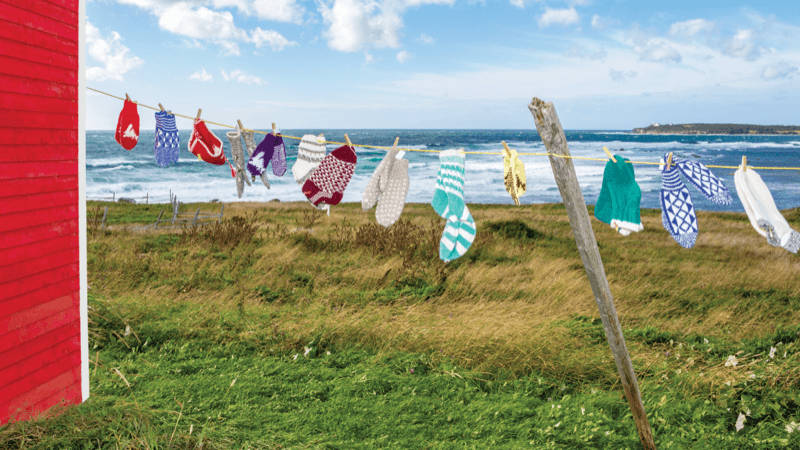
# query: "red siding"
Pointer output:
{"type": "Point", "coordinates": [40, 345]}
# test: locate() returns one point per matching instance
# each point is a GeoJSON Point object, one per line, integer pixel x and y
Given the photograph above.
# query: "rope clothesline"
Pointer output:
{"type": "Point", "coordinates": [437, 151]}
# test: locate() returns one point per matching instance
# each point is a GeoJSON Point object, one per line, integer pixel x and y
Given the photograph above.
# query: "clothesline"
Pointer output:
{"type": "Point", "coordinates": [438, 151]}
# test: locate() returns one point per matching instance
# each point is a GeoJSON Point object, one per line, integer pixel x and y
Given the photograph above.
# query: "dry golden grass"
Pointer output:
{"type": "Point", "coordinates": [509, 305]}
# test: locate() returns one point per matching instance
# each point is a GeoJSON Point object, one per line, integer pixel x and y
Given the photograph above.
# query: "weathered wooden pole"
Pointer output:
{"type": "Point", "coordinates": [549, 128]}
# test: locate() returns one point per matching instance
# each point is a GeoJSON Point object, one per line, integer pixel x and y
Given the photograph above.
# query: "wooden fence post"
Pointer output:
{"type": "Point", "coordinates": [195, 216]}
{"type": "Point", "coordinates": [549, 128]}
{"type": "Point", "coordinates": [221, 210]}
{"type": "Point", "coordinates": [103, 223]}
{"type": "Point", "coordinates": [158, 220]}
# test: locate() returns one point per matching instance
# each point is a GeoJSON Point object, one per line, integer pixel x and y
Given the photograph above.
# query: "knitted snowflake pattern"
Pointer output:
{"type": "Point", "coordinates": [706, 182]}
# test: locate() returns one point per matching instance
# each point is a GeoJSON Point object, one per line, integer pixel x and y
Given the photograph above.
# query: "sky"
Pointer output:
{"type": "Point", "coordinates": [454, 64]}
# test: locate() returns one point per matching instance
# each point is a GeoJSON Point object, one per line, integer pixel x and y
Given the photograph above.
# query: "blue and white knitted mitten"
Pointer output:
{"type": "Point", "coordinates": [167, 140]}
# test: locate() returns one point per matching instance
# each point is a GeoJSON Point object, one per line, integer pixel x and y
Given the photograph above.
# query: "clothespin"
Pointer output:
{"type": "Point", "coordinates": [744, 163]}
{"type": "Point", "coordinates": [347, 138]}
{"type": "Point", "coordinates": [199, 111]}
{"type": "Point", "coordinates": [505, 147]}
{"type": "Point", "coordinates": [399, 155]}
{"type": "Point", "coordinates": [161, 106]}
{"type": "Point", "coordinates": [241, 127]}
{"type": "Point", "coordinates": [669, 160]}
{"type": "Point", "coordinates": [605, 149]}
{"type": "Point", "coordinates": [127, 97]}
{"type": "Point", "coordinates": [273, 128]}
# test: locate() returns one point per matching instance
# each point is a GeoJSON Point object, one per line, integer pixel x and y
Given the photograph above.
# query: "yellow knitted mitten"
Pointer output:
{"type": "Point", "coordinates": [513, 173]}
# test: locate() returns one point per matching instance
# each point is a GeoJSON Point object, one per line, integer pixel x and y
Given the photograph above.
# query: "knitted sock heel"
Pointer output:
{"type": "Point", "coordinates": [439, 201]}
{"type": "Point", "coordinates": [466, 235]}
{"type": "Point", "coordinates": [448, 241]}
{"type": "Point", "coordinates": [792, 242]}
{"type": "Point", "coordinates": [677, 210]}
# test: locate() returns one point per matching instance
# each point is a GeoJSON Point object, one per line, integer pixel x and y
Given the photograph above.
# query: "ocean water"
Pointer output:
{"type": "Point", "coordinates": [113, 170]}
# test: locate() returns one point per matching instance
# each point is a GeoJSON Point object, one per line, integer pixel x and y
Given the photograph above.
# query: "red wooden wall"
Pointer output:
{"type": "Point", "coordinates": [40, 328]}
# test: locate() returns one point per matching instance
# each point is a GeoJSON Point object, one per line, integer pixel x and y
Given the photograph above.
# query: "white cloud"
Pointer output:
{"type": "Point", "coordinates": [200, 23]}
{"type": "Point", "coordinates": [558, 17]}
{"type": "Point", "coordinates": [742, 45]}
{"type": "Point", "coordinates": [270, 37]}
{"type": "Point", "coordinates": [652, 48]}
{"type": "Point", "coordinates": [201, 75]}
{"type": "Point", "coordinates": [368, 59]}
{"type": "Point", "coordinates": [203, 23]}
{"type": "Point", "coordinates": [111, 53]}
{"type": "Point", "coordinates": [689, 28]}
{"type": "Point", "coordinates": [601, 23]}
{"type": "Point", "coordinates": [425, 39]}
{"type": "Point", "coordinates": [579, 51]}
{"type": "Point", "coordinates": [403, 56]}
{"type": "Point", "coordinates": [778, 71]}
{"type": "Point", "coordinates": [241, 77]}
{"type": "Point", "coordinates": [620, 76]}
{"type": "Point", "coordinates": [357, 24]}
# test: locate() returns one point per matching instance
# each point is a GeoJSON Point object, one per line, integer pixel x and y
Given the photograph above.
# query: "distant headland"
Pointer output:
{"type": "Point", "coordinates": [717, 128]}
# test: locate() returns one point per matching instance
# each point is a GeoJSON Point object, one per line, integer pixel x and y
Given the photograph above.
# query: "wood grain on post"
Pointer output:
{"type": "Point", "coordinates": [549, 128]}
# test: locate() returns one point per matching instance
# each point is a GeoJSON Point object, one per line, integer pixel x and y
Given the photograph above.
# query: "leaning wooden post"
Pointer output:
{"type": "Point", "coordinates": [549, 128]}
{"type": "Point", "coordinates": [195, 216]}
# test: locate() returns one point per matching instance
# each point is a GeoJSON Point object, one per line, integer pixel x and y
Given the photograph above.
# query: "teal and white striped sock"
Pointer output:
{"type": "Point", "coordinates": [448, 198]}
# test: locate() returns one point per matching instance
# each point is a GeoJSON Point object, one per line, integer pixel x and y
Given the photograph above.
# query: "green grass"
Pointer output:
{"type": "Point", "coordinates": [505, 343]}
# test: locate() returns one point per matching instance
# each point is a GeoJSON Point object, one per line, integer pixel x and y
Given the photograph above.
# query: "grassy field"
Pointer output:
{"type": "Point", "coordinates": [284, 328]}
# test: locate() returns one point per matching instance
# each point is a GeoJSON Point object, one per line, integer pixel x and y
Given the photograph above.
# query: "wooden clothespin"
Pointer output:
{"type": "Point", "coordinates": [273, 128]}
{"type": "Point", "coordinates": [241, 127]}
{"type": "Point", "coordinates": [744, 163]}
{"type": "Point", "coordinates": [161, 106]}
{"type": "Point", "coordinates": [400, 154]}
{"type": "Point", "coordinates": [605, 149]}
{"type": "Point", "coordinates": [669, 160]}
{"type": "Point", "coordinates": [347, 138]}
{"type": "Point", "coordinates": [505, 147]}
{"type": "Point", "coordinates": [127, 97]}
{"type": "Point", "coordinates": [199, 111]}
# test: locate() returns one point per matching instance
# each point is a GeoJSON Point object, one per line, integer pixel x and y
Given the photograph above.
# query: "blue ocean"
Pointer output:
{"type": "Point", "coordinates": [113, 171]}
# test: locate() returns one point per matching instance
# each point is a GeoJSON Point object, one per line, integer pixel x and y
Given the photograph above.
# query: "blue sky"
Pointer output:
{"type": "Point", "coordinates": [445, 63]}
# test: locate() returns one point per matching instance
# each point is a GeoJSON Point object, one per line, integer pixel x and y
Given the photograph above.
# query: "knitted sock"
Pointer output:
{"type": "Point", "coordinates": [514, 175]}
{"type": "Point", "coordinates": [448, 198]}
{"type": "Point", "coordinates": [379, 180]}
{"type": "Point", "coordinates": [279, 157]}
{"type": "Point", "coordinates": [310, 154]}
{"type": "Point", "coordinates": [706, 182]}
{"type": "Point", "coordinates": [249, 142]}
{"type": "Point", "coordinates": [234, 137]}
{"type": "Point", "coordinates": [167, 139]}
{"type": "Point", "coordinates": [393, 198]}
{"type": "Point", "coordinates": [677, 210]}
{"type": "Point", "coordinates": [466, 235]}
{"type": "Point", "coordinates": [769, 221]}
{"type": "Point", "coordinates": [127, 133]}
{"type": "Point", "coordinates": [239, 157]}
{"type": "Point", "coordinates": [626, 197]}
{"type": "Point", "coordinates": [329, 180]}
{"type": "Point", "coordinates": [206, 145]}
